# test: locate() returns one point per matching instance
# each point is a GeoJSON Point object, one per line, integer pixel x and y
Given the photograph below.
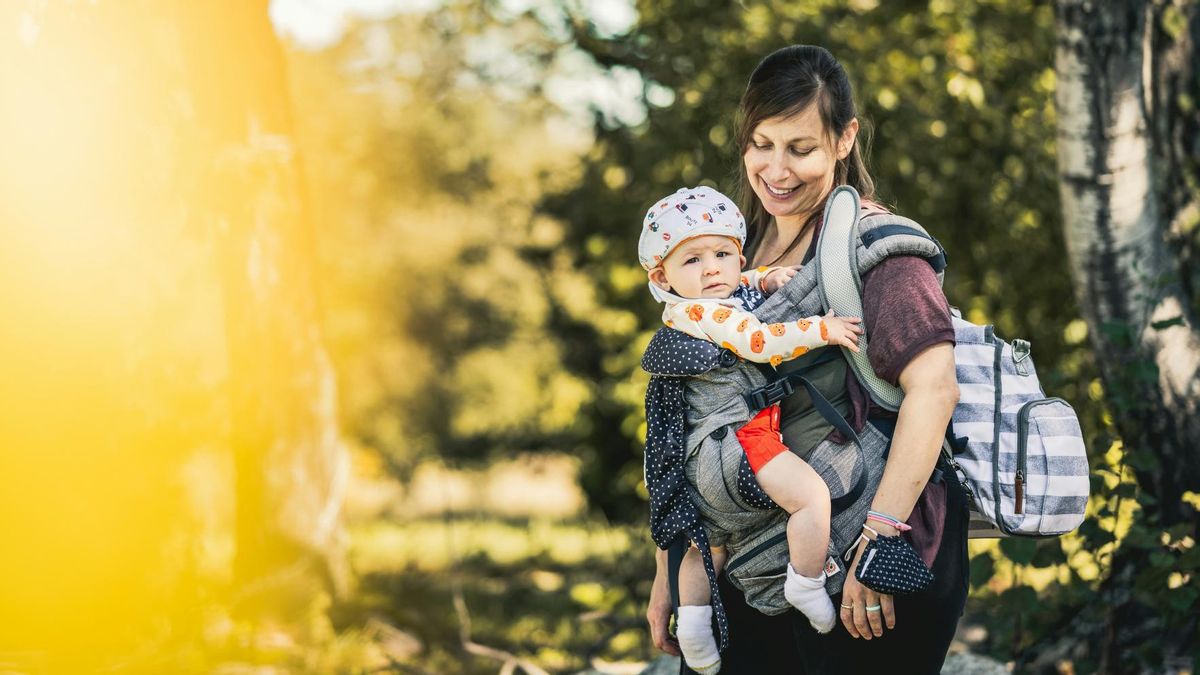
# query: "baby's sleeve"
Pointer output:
{"type": "Point", "coordinates": [744, 334]}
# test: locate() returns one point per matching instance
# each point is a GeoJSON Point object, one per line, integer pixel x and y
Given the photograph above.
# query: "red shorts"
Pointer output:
{"type": "Point", "coordinates": [760, 437]}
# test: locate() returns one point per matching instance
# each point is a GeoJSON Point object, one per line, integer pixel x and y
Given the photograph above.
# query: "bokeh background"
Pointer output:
{"type": "Point", "coordinates": [322, 320]}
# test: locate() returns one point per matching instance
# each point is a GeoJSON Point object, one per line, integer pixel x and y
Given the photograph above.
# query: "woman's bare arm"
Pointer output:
{"type": "Point", "coordinates": [930, 393]}
{"type": "Point", "coordinates": [658, 610]}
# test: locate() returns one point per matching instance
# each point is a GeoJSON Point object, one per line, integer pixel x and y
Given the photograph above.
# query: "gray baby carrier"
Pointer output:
{"type": "Point", "coordinates": [723, 399]}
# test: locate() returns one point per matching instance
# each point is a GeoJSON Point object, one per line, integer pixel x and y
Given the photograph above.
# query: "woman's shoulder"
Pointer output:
{"type": "Point", "coordinates": [870, 207]}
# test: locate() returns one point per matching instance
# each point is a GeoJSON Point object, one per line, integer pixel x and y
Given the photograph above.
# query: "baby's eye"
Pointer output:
{"type": "Point", "coordinates": [691, 260]}
{"type": "Point", "coordinates": [722, 254]}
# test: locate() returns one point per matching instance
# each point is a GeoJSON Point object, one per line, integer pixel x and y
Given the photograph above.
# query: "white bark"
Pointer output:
{"type": "Point", "coordinates": [1116, 230]}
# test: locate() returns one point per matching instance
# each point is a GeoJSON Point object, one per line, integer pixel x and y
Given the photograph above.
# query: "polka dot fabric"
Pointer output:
{"type": "Point", "coordinates": [889, 565]}
{"type": "Point", "coordinates": [672, 514]}
{"type": "Point", "coordinates": [670, 357]}
{"type": "Point", "coordinates": [749, 489]}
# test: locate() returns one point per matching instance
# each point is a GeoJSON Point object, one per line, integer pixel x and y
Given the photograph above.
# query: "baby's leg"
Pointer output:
{"type": "Point", "coordinates": [694, 628]}
{"type": "Point", "coordinates": [792, 484]}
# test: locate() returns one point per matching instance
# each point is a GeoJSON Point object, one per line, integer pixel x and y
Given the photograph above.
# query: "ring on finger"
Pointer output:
{"type": "Point", "coordinates": [849, 607]}
{"type": "Point", "coordinates": [874, 608]}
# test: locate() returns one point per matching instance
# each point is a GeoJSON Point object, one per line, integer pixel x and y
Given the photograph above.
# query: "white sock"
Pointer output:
{"type": "Point", "coordinates": [808, 595]}
{"type": "Point", "coordinates": [696, 641]}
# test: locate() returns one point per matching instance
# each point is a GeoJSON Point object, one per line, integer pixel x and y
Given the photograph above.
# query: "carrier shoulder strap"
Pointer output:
{"type": "Point", "coordinates": [840, 285]}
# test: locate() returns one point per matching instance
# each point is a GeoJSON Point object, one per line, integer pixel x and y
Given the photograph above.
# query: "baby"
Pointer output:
{"type": "Point", "coordinates": [691, 247]}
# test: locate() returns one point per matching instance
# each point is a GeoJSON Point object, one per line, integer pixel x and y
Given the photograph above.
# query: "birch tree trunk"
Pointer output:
{"type": "Point", "coordinates": [1127, 163]}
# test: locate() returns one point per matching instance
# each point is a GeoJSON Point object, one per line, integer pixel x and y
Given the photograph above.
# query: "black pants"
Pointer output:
{"type": "Point", "coordinates": [925, 622]}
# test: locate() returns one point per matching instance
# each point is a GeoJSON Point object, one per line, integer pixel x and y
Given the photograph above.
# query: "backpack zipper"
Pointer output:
{"type": "Point", "coordinates": [1023, 450]}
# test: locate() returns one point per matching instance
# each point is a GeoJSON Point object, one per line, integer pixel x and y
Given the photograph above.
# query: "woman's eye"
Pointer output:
{"type": "Point", "coordinates": [802, 153]}
{"type": "Point", "coordinates": [762, 146]}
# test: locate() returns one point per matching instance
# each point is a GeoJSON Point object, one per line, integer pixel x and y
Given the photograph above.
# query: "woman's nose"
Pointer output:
{"type": "Point", "coordinates": [777, 168]}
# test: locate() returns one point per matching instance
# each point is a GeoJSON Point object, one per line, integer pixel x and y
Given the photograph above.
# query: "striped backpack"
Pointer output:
{"type": "Point", "coordinates": [1020, 454]}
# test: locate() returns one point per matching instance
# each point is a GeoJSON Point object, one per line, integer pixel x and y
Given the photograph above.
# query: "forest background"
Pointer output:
{"type": "Point", "coordinates": [324, 320]}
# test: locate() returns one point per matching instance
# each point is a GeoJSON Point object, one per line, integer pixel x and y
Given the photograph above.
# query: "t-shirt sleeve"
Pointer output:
{"type": "Point", "coordinates": [905, 311]}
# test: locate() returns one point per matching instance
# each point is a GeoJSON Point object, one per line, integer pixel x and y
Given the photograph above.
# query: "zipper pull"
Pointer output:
{"type": "Point", "coordinates": [1019, 484]}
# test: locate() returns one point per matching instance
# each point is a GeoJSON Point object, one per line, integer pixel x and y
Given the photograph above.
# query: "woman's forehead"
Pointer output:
{"type": "Point", "coordinates": [805, 125]}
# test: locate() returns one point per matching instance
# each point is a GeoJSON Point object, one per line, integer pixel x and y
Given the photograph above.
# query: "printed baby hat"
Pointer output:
{"type": "Point", "coordinates": [689, 212]}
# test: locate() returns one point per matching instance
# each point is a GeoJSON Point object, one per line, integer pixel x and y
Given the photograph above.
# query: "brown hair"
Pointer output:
{"type": "Point", "coordinates": [785, 83]}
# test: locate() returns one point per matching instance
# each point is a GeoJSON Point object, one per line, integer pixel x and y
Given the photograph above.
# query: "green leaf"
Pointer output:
{"type": "Point", "coordinates": [1049, 553]}
{"type": "Point", "coordinates": [1020, 551]}
{"type": "Point", "coordinates": [983, 567]}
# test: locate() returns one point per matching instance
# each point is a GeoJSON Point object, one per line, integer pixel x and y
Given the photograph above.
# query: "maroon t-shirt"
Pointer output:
{"type": "Point", "coordinates": [905, 312]}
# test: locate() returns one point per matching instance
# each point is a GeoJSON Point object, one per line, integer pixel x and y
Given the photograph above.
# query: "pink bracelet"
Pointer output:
{"type": "Point", "coordinates": [903, 527]}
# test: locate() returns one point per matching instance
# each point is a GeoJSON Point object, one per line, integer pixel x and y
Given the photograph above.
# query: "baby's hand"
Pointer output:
{"type": "Point", "coordinates": [778, 278]}
{"type": "Point", "coordinates": [841, 330]}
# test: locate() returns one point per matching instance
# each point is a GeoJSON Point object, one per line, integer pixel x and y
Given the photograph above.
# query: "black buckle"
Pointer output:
{"type": "Point", "coordinates": [769, 393]}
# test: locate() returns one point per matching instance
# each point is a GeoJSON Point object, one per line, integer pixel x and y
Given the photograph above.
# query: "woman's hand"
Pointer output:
{"type": "Point", "coordinates": [658, 610]}
{"type": "Point", "coordinates": [858, 621]}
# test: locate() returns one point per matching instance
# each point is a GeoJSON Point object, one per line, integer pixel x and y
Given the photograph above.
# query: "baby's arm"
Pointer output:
{"type": "Point", "coordinates": [744, 334]}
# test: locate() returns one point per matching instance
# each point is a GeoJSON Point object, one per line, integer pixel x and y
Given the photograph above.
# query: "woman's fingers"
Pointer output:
{"type": "Point", "coordinates": [661, 636]}
{"type": "Point", "coordinates": [889, 611]}
{"type": "Point", "coordinates": [874, 612]}
{"type": "Point", "coordinates": [847, 617]}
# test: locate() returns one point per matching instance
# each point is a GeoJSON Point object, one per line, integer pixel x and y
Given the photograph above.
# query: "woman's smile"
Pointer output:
{"type": "Point", "coordinates": [779, 192]}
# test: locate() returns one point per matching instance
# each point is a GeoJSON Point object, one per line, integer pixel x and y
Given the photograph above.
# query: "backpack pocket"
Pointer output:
{"type": "Point", "coordinates": [759, 567]}
{"type": "Point", "coordinates": [1046, 492]}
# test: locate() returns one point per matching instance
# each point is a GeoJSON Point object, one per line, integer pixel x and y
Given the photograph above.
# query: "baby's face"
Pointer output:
{"type": "Point", "coordinates": [708, 266]}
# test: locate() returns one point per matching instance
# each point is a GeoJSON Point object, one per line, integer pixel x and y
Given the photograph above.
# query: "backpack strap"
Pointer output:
{"type": "Point", "coordinates": [937, 261]}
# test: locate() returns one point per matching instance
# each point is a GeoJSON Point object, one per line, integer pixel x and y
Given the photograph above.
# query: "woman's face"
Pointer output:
{"type": "Point", "coordinates": [790, 162]}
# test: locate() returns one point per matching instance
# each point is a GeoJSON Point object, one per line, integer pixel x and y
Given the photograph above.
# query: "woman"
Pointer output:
{"type": "Point", "coordinates": [798, 134]}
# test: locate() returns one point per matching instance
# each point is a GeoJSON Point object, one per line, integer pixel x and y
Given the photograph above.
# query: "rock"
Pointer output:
{"type": "Point", "coordinates": [966, 663]}
{"type": "Point", "coordinates": [663, 665]}
{"type": "Point", "coordinates": [962, 663]}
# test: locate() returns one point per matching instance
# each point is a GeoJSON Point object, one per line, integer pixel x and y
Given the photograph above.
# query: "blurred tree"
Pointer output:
{"type": "Point", "coordinates": [431, 143]}
{"type": "Point", "coordinates": [156, 253]}
{"type": "Point", "coordinates": [291, 468]}
{"type": "Point", "coordinates": [1129, 166]}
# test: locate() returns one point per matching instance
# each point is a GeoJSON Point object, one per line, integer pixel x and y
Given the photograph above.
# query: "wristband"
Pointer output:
{"type": "Point", "coordinates": [889, 520]}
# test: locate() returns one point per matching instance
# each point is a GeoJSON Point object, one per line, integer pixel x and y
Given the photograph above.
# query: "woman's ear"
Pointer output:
{"type": "Point", "coordinates": [658, 277]}
{"type": "Point", "coordinates": [846, 142]}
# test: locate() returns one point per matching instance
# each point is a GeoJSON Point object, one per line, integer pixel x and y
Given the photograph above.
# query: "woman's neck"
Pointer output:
{"type": "Point", "coordinates": [786, 241]}
{"type": "Point", "coordinates": [787, 227]}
